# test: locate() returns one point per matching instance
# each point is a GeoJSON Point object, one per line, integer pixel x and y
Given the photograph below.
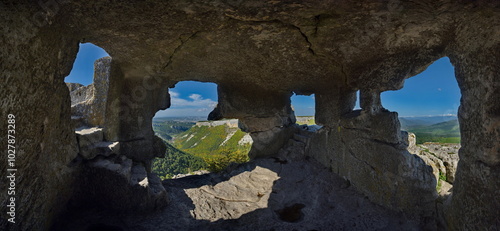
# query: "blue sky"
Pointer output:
{"type": "Point", "coordinates": [189, 98]}
{"type": "Point", "coordinates": [433, 92]}
{"type": "Point", "coordinates": [83, 67]}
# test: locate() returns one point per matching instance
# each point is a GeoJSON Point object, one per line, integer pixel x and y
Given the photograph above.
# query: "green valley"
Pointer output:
{"type": "Point", "coordinates": [166, 129]}
{"type": "Point", "coordinates": [443, 132]}
{"type": "Point", "coordinates": [202, 145]}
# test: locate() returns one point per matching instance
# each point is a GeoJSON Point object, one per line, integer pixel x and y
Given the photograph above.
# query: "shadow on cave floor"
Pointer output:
{"type": "Point", "coordinates": [264, 194]}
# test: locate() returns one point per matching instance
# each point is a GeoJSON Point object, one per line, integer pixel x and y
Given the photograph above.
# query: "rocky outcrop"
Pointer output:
{"type": "Point", "coordinates": [258, 52]}
{"type": "Point", "coordinates": [88, 103]}
{"type": "Point", "coordinates": [442, 157]}
{"type": "Point", "coordinates": [232, 123]}
{"type": "Point", "coordinates": [386, 176]}
{"type": "Point", "coordinates": [112, 181]}
{"type": "Point", "coordinates": [72, 87]}
{"type": "Point", "coordinates": [111, 161]}
{"type": "Point", "coordinates": [246, 139]}
{"type": "Point", "coordinates": [304, 119]}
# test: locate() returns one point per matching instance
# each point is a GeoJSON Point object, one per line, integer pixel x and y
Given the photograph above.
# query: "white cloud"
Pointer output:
{"type": "Point", "coordinates": [439, 89]}
{"type": "Point", "coordinates": [195, 97]}
{"type": "Point", "coordinates": [173, 94]}
{"type": "Point", "coordinates": [195, 105]}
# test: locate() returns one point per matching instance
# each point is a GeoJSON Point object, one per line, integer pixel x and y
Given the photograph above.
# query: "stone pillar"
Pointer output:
{"type": "Point", "coordinates": [101, 85]}
{"type": "Point", "coordinates": [88, 103]}
{"type": "Point", "coordinates": [475, 201]}
{"type": "Point", "coordinates": [369, 101]}
{"type": "Point", "coordinates": [266, 115]}
{"type": "Point", "coordinates": [330, 105]}
{"type": "Point", "coordinates": [269, 134]}
{"type": "Point", "coordinates": [132, 104]}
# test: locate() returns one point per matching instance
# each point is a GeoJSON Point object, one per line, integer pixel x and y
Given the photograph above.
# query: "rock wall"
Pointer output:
{"type": "Point", "coordinates": [101, 161]}
{"type": "Point", "coordinates": [88, 103]}
{"type": "Point", "coordinates": [389, 176]}
{"type": "Point", "coordinates": [35, 60]}
{"type": "Point", "coordinates": [477, 71]}
{"type": "Point", "coordinates": [258, 53]}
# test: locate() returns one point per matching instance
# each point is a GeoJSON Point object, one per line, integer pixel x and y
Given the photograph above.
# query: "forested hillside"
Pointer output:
{"type": "Point", "coordinates": [444, 132]}
{"type": "Point", "coordinates": [166, 129]}
{"type": "Point", "coordinates": [192, 147]}
{"type": "Point", "coordinates": [177, 162]}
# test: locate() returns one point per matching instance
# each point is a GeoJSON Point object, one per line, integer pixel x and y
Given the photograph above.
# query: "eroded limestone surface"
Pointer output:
{"type": "Point", "coordinates": [88, 103]}
{"type": "Point", "coordinates": [259, 53]}
{"type": "Point", "coordinates": [261, 195]}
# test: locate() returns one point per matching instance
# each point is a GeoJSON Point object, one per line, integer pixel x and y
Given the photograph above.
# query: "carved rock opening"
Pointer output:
{"type": "Point", "coordinates": [258, 52]}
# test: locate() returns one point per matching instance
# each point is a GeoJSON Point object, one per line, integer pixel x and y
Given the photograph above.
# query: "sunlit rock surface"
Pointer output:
{"type": "Point", "coordinates": [261, 195]}
{"type": "Point", "coordinates": [258, 52]}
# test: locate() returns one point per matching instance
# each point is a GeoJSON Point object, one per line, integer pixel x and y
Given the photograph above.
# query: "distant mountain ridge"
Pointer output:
{"type": "Point", "coordinates": [415, 121]}
{"type": "Point", "coordinates": [442, 129]}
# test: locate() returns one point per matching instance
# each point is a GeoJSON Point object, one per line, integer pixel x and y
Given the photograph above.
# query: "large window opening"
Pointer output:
{"type": "Point", "coordinates": [428, 104]}
{"type": "Point", "coordinates": [427, 107]}
{"type": "Point", "coordinates": [195, 145]}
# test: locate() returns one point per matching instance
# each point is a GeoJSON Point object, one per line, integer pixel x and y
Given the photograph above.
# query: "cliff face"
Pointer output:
{"type": "Point", "coordinates": [258, 53]}
{"type": "Point", "coordinates": [230, 123]}
{"type": "Point", "coordinates": [88, 103]}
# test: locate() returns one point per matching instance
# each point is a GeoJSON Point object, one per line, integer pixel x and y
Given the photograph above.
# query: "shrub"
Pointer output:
{"type": "Point", "coordinates": [220, 161]}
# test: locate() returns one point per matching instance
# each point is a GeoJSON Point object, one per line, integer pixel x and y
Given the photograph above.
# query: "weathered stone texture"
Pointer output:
{"type": "Point", "coordinates": [264, 194]}
{"type": "Point", "coordinates": [89, 102]}
{"type": "Point", "coordinates": [35, 61]}
{"type": "Point", "coordinates": [259, 52]}
{"type": "Point", "coordinates": [390, 176]}
{"type": "Point", "coordinates": [120, 184]}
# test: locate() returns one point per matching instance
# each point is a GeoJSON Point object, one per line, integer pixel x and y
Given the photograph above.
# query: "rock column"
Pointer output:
{"type": "Point", "coordinates": [475, 202]}
{"type": "Point", "coordinates": [266, 115]}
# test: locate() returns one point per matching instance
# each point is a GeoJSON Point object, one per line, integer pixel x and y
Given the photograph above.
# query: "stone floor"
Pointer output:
{"type": "Point", "coordinates": [266, 194]}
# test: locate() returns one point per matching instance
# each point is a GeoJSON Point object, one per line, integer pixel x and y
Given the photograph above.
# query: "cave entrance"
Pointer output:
{"type": "Point", "coordinates": [427, 107]}
{"type": "Point", "coordinates": [195, 145]}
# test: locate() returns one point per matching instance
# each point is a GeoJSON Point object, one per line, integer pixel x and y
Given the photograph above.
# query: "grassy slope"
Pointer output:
{"type": "Point", "coordinates": [203, 141]}
{"type": "Point", "coordinates": [197, 148]}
